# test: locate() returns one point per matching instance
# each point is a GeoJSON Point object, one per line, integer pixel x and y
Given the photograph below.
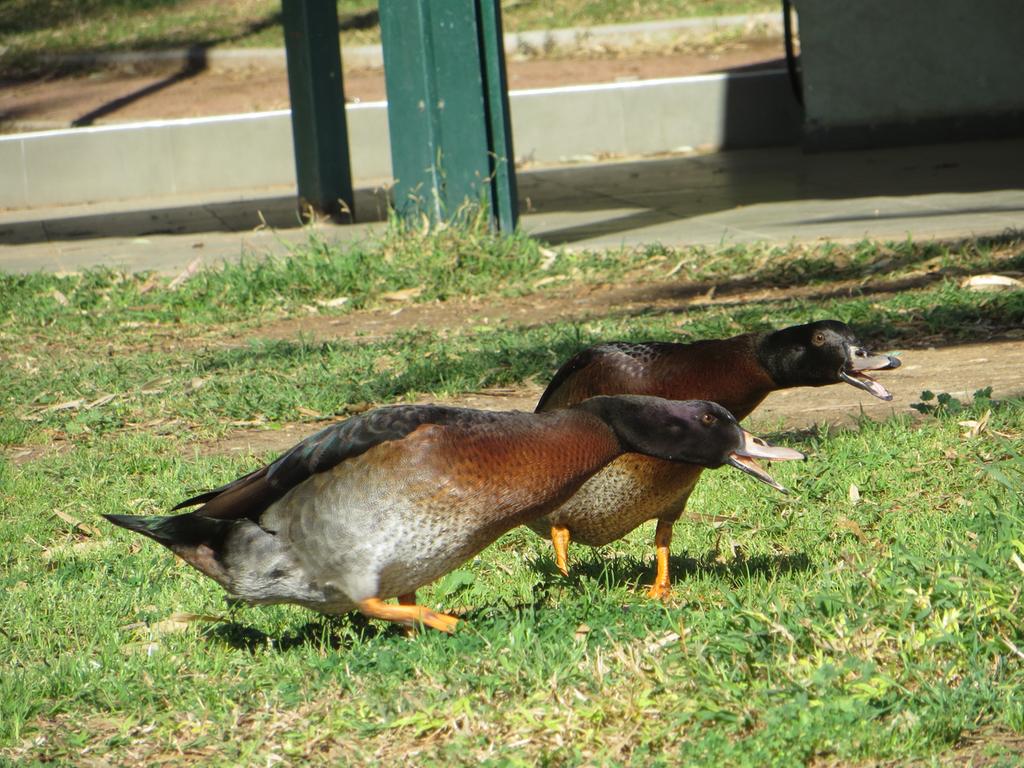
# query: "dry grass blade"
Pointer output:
{"type": "Point", "coordinates": [189, 272]}
{"type": "Point", "coordinates": [77, 524]}
{"type": "Point", "coordinates": [853, 527]}
{"type": "Point", "coordinates": [103, 400]}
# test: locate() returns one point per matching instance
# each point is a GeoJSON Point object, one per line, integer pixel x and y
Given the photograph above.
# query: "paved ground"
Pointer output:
{"type": "Point", "coordinates": [777, 195]}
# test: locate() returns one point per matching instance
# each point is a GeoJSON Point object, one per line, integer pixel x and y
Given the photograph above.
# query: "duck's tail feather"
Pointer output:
{"type": "Point", "coordinates": [187, 530]}
{"type": "Point", "coordinates": [194, 538]}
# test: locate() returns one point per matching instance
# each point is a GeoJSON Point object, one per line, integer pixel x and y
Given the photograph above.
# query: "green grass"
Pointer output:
{"type": "Point", "coordinates": [803, 628]}
{"type": "Point", "coordinates": [797, 638]}
{"type": "Point", "coordinates": [177, 353]}
{"type": "Point", "coordinates": [30, 28]}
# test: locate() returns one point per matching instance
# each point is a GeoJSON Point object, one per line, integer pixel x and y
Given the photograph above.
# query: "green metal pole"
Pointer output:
{"type": "Point", "coordinates": [319, 131]}
{"type": "Point", "coordinates": [447, 108]}
{"type": "Point", "coordinates": [504, 194]}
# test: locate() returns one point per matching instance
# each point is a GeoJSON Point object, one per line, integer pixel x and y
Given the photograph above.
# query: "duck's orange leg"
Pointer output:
{"type": "Point", "coordinates": [560, 538]}
{"type": "Point", "coordinates": [412, 615]}
{"type": "Point", "coordinates": [409, 599]}
{"type": "Point", "coordinates": [662, 586]}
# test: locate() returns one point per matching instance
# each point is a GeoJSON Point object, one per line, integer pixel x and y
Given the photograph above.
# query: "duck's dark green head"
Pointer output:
{"type": "Point", "coordinates": [821, 353]}
{"type": "Point", "coordinates": [691, 431]}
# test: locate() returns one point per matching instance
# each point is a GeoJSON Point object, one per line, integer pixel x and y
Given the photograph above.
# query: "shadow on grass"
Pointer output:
{"type": "Point", "coordinates": [195, 63]}
{"type": "Point", "coordinates": [632, 573]}
{"type": "Point", "coordinates": [333, 632]}
{"type": "Point", "coordinates": [516, 359]}
{"type": "Point", "coordinates": [196, 60]}
{"type": "Point", "coordinates": [818, 276]}
{"type": "Point", "coordinates": [636, 573]}
{"type": "Point", "coordinates": [28, 16]}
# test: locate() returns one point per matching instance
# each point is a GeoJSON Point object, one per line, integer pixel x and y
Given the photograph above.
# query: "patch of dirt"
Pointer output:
{"type": "Point", "coordinates": [122, 96]}
{"type": "Point", "coordinates": [960, 370]}
{"type": "Point", "coordinates": [577, 304]}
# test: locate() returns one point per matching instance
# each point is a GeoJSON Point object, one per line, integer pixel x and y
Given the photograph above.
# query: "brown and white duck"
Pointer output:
{"type": "Point", "coordinates": [388, 501]}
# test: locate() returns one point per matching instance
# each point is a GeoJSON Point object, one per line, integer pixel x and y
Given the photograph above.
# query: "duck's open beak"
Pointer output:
{"type": "Point", "coordinates": [861, 361]}
{"type": "Point", "coordinates": [754, 447]}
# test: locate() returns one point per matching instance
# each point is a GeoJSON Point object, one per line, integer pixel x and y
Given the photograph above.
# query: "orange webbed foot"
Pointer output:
{"type": "Point", "coordinates": [411, 615]}
{"type": "Point", "coordinates": [560, 539]}
{"type": "Point", "coordinates": [659, 591]}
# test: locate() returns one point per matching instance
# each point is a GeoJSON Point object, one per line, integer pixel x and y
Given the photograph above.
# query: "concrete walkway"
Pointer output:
{"type": "Point", "coordinates": [773, 195]}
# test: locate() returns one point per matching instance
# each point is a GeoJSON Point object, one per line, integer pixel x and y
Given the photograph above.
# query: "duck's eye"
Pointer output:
{"type": "Point", "coordinates": [709, 419]}
{"type": "Point", "coordinates": [818, 339]}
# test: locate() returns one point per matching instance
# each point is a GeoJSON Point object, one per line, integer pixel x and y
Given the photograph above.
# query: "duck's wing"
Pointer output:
{"type": "Point", "coordinates": [251, 494]}
{"type": "Point", "coordinates": [603, 369]}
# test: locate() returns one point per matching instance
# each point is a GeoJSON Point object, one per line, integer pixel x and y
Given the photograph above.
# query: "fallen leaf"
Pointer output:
{"type": "Point", "coordinates": [550, 257]}
{"type": "Point", "coordinates": [991, 283]}
{"type": "Point", "coordinates": [709, 295]}
{"type": "Point", "coordinates": [975, 426]}
{"type": "Point", "coordinates": [548, 280]}
{"type": "Point", "coordinates": [1011, 647]}
{"type": "Point", "coordinates": [149, 285]}
{"type": "Point", "coordinates": [665, 640]}
{"type": "Point", "coordinates": [60, 298]}
{"type": "Point", "coordinates": [854, 494]}
{"type": "Point", "coordinates": [336, 302]}
{"type": "Point", "coordinates": [75, 523]}
{"type": "Point", "coordinates": [70, 405]}
{"type": "Point", "coordinates": [179, 622]}
{"type": "Point", "coordinates": [1015, 559]}
{"type": "Point", "coordinates": [713, 519]}
{"type": "Point", "coordinates": [147, 648]}
{"type": "Point", "coordinates": [154, 386]}
{"type": "Point", "coordinates": [403, 295]}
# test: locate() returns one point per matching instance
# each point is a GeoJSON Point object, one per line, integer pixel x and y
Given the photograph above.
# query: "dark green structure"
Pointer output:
{"type": "Point", "coordinates": [448, 115]}
{"type": "Point", "coordinates": [319, 132]}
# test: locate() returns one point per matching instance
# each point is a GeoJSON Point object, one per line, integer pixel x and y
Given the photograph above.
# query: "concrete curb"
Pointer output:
{"type": "Point", "coordinates": [370, 56]}
{"type": "Point", "coordinates": [242, 152]}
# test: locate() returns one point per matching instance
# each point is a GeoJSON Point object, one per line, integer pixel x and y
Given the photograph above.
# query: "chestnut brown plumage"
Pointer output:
{"type": "Point", "coordinates": [385, 502]}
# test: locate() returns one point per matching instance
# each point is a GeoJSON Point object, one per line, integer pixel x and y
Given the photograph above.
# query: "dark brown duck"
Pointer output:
{"type": "Point", "coordinates": [737, 372]}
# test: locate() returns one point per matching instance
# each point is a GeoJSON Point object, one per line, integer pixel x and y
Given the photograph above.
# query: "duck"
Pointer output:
{"type": "Point", "coordinates": [378, 505]}
{"type": "Point", "coordinates": [736, 372]}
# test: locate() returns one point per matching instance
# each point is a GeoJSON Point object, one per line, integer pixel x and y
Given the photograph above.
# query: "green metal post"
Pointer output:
{"type": "Point", "coordinates": [319, 132]}
{"type": "Point", "coordinates": [504, 196]}
{"type": "Point", "coordinates": [448, 107]}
